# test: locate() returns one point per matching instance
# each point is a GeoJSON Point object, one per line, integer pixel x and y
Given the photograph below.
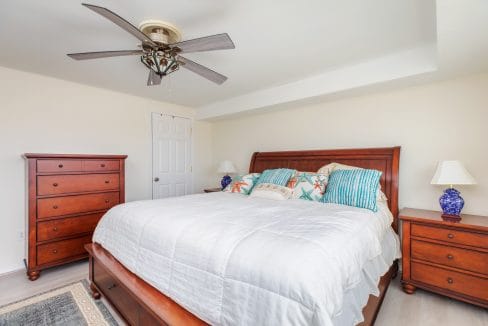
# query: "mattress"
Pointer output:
{"type": "Point", "coordinates": [235, 260]}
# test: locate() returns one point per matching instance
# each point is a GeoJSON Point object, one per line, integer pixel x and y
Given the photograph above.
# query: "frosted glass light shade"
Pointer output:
{"type": "Point", "coordinates": [452, 173]}
{"type": "Point", "coordinates": [226, 167]}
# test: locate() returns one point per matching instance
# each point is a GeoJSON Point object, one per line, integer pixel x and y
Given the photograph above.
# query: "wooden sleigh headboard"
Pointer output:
{"type": "Point", "coordinates": [386, 160]}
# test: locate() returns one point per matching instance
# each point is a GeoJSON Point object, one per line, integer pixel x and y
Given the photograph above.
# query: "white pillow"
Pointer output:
{"type": "Point", "coordinates": [271, 191]}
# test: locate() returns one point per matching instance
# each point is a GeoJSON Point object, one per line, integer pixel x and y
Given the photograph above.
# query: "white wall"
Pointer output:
{"type": "Point", "coordinates": [443, 120]}
{"type": "Point", "coordinates": [41, 114]}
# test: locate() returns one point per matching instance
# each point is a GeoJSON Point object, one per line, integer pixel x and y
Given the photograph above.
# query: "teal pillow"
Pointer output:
{"type": "Point", "coordinates": [276, 176]}
{"type": "Point", "coordinates": [356, 188]}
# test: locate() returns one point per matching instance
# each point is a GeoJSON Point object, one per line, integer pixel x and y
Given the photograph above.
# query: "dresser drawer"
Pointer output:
{"type": "Point", "coordinates": [101, 165]}
{"type": "Point", "coordinates": [448, 235]}
{"type": "Point", "coordinates": [58, 206]}
{"type": "Point", "coordinates": [64, 184]}
{"type": "Point", "coordinates": [453, 281]}
{"type": "Point", "coordinates": [116, 294]}
{"type": "Point", "coordinates": [60, 250]}
{"type": "Point", "coordinates": [69, 226]}
{"type": "Point", "coordinates": [470, 260]}
{"type": "Point", "coordinates": [63, 165]}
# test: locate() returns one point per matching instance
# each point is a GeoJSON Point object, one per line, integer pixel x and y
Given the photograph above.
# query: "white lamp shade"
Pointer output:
{"type": "Point", "coordinates": [226, 167]}
{"type": "Point", "coordinates": [452, 173]}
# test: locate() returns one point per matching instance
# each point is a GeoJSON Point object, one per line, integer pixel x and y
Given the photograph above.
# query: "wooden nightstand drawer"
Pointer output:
{"type": "Point", "coordinates": [453, 281]}
{"type": "Point", "coordinates": [449, 235]}
{"type": "Point", "coordinates": [470, 260]}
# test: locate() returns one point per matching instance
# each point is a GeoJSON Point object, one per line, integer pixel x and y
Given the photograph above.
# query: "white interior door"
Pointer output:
{"type": "Point", "coordinates": [172, 171]}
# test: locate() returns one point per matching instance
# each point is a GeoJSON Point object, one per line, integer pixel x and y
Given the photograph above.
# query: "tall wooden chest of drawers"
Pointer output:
{"type": "Point", "coordinates": [448, 258]}
{"type": "Point", "coordinates": [67, 195]}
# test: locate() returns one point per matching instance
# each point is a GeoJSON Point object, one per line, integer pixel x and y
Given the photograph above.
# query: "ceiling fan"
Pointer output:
{"type": "Point", "coordinates": [161, 48]}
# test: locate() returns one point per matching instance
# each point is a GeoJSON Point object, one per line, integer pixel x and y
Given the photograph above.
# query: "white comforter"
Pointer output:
{"type": "Point", "coordinates": [236, 260]}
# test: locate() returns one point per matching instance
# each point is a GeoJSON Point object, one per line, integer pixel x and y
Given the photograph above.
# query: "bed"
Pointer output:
{"type": "Point", "coordinates": [211, 280]}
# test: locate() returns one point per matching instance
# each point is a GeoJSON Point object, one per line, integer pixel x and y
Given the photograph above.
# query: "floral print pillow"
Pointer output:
{"type": "Point", "coordinates": [308, 185]}
{"type": "Point", "coordinates": [243, 184]}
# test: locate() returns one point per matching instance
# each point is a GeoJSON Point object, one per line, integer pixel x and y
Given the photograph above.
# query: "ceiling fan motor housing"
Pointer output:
{"type": "Point", "coordinates": [160, 31]}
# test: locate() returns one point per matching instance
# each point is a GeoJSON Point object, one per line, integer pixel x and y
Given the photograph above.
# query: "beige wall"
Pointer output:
{"type": "Point", "coordinates": [41, 114]}
{"type": "Point", "coordinates": [444, 120]}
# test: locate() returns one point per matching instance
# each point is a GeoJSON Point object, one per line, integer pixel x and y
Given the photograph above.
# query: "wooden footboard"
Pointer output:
{"type": "Point", "coordinates": [141, 304]}
{"type": "Point", "coordinates": [136, 301]}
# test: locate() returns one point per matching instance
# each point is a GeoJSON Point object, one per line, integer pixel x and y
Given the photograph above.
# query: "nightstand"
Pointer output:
{"type": "Point", "coordinates": [449, 258]}
{"type": "Point", "coordinates": [212, 190]}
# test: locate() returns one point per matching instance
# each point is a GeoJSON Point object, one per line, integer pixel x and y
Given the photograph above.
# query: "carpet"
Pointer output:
{"type": "Point", "coordinates": [68, 306]}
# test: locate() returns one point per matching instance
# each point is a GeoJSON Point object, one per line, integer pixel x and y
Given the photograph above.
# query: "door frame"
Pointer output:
{"type": "Point", "coordinates": [191, 147]}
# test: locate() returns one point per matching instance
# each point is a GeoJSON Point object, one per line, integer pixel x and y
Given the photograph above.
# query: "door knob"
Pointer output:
{"type": "Point", "coordinates": [156, 179]}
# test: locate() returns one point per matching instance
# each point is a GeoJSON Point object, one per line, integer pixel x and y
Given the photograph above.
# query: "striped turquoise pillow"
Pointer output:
{"type": "Point", "coordinates": [276, 176]}
{"type": "Point", "coordinates": [353, 188]}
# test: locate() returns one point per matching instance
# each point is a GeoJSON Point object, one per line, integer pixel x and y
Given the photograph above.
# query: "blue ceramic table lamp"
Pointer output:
{"type": "Point", "coordinates": [451, 173]}
{"type": "Point", "coordinates": [226, 167]}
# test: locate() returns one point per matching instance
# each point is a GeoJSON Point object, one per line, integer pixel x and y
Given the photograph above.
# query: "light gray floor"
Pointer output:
{"type": "Point", "coordinates": [422, 308]}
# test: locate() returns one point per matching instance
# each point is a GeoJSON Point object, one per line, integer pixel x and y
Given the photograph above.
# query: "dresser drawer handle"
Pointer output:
{"type": "Point", "coordinates": [107, 181]}
{"type": "Point", "coordinates": [55, 251]}
{"type": "Point", "coordinates": [450, 280]}
{"type": "Point", "coordinates": [55, 229]}
{"type": "Point", "coordinates": [55, 184]}
{"type": "Point", "coordinates": [55, 206]}
{"type": "Point", "coordinates": [60, 166]}
{"type": "Point", "coordinates": [112, 286]}
{"type": "Point", "coordinates": [107, 201]}
{"type": "Point", "coordinates": [449, 256]}
{"type": "Point", "coordinates": [102, 165]}
{"type": "Point", "coordinates": [450, 236]}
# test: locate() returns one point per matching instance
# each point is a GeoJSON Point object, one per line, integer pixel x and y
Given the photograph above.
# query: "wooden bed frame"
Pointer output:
{"type": "Point", "coordinates": [141, 304]}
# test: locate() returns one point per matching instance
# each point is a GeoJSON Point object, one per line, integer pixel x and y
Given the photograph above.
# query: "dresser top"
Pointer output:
{"type": "Point", "coordinates": [475, 222]}
{"type": "Point", "coordinates": [85, 156]}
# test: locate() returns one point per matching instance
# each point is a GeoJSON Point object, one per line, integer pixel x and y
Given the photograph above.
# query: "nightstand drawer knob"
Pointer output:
{"type": "Point", "coordinates": [55, 206]}
{"type": "Point", "coordinates": [55, 251]}
{"type": "Point", "coordinates": [450, 280]}
{"type": "Point", "coordinates": [55, 184]}
{"type": "Point", "coordinates": [449, 256]}
{"type": "Point", "coordinates": [450, 236]}
{"type": "Point", "coordinates": [60, 166]}
{"type": "Point", "coordinates": [55, 229]}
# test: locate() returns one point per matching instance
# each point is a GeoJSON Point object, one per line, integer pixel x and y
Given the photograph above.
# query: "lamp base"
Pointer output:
{"type": "Point", "coordinates": [451, 218]}
{"type": "Point", "coordinates": [451, 203]}
{"type": "Point", "coordinates": [226, 180]}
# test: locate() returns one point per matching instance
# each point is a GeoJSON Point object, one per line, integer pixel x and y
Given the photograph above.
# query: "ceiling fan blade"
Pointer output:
{"type": "Point", "coordinates": [121, 22]}
{"type": "Point", "coordinates": [202, 70]}
{"type": "Point", "coordinates": [153, 78]}
{"type": "Point", "coordinates": [207, 43]}
{"type": "Point", "coordinates": [102, 54]}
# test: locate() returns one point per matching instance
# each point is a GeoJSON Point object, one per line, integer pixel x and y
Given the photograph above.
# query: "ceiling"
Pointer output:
{"type": "Point", "coordinates": [277, 42]}
{"type": "Point", "coordinates": [286, 51]}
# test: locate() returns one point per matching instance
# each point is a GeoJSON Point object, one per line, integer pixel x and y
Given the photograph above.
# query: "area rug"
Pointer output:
{"type": "Point", "coordinates": [68, 306]}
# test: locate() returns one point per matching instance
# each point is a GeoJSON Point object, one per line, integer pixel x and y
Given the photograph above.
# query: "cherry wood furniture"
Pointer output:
{"type": "Point", "coordinates": [141, 304]}
{"type": "Point", "coordinates": [445, 257]}
{"type": "Point", "coordinates": [67, 195]}
{"type": "Point", "coordinates": [212, 190]}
